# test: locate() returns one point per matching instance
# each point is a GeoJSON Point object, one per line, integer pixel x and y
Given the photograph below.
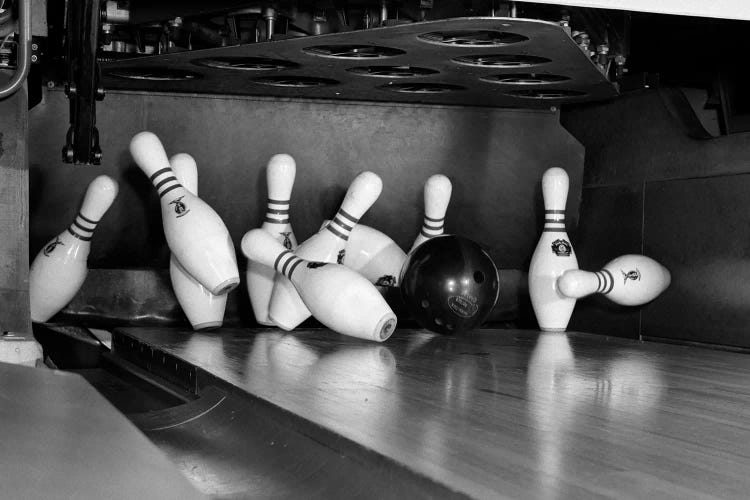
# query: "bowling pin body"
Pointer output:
{"type": "Point", "coordinates": [628, 280]}
{"type": "Point", "coordinates": [203, 309]}
{"type": "Point", "coordinates": [338, 297]}
{"type": "Point", "coordinates": [60, 268]}
{"type": "Point", "coordinates": [374, 255]}
{"type": "Point", "coordinates": [287, 309]}
{"type": "Point", "coordinates": [437, 195]}
{"type": "Point", "coordinates": [280, 174]}
{"type": "Point", "coordinates": [195, 233]}
{"type": "Point", "coordinates": [553, 256]}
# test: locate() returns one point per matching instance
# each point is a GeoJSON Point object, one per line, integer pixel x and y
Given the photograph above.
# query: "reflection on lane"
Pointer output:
{"type": "Point", "coordinates": [570, 392]}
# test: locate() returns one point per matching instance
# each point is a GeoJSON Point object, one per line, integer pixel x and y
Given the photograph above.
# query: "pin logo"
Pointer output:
{"type": "Point", "coordinates": [287, 241]}
{"type": "Point", "coordinates": [634, 275]}
{"type": "Point", "coordinates": [179, 207]}
{"type": "Point", "coordinates": [387, 280]}
{"type": "Point", "coordinates": [341, 255]}
{"type": "Point", "coordinates": [315, 265]}
{"type": "Point", "coordinates": [463, 306]}
{"type": "Point", "coordinates": [561, 248]}
{"type": "Point", "coordinates": [51, 247]}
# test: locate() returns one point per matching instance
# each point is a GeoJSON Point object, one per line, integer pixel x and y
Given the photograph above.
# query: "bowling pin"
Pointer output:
{"type": "Point", "coordinates": [338, 297]}
{"type": "Point", "coordinates": [286, 309]}
{"type": "Point", "coordinates": [628, 280]}
{"type": "Point", "coordinates": [437, 195]}
{"type": "Point", "coordinates": [203, 309]}
{"type": "Point", "coordinates": [374, 255]}
{"type": "Point", "coordinates": [280, 174]}
{"type": "Point", "coordinates": [195, 233]}
{"type": "Point", "coordinates": [60, 267]}
{"type": "Point", "coordinates": [552, 257]}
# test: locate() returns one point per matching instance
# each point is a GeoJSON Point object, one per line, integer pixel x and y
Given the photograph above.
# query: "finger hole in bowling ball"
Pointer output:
{"type": "Point", "coordinates": [449, 284]}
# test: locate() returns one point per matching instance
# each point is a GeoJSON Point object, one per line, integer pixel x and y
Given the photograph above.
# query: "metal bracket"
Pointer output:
{"type": "Point", "coordinates": [24, 46]}
{"type": "Point", "coordinates": [83, 83]}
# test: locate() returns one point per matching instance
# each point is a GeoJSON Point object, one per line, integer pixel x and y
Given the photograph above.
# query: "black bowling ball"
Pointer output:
{"type": "Point", "coordinates": [449, 284]}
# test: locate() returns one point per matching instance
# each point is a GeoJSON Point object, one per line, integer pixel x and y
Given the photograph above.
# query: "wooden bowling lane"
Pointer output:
{"type": "Point", "coordinates": [501, 413]}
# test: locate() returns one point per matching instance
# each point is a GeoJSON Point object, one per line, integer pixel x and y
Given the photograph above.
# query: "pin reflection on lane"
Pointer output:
{"type": "Point", "coordinates": [571, 391]}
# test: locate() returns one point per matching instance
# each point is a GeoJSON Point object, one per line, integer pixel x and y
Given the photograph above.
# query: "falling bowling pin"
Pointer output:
{"type": "Point", "coordinates": [437, 195]}
{"type": "Point", "coordinates": [195, 233]}
{"type": "Point", "coordinates": [60, 268]}
{"type": "Point", "coordinates": [628, 280]}
{"type": "Point", "coordinates": [287, 309]}
{"type": "Point", "coordinates": [552, 257]}
{"type": "Point", "coordinates": [203, 309]}
{"type": "Point", "coordinates": [374, 255]}
{"type": "Point", "coordinates": [280, 174]}
{"type": "Point", "coordinates": [338, 297]}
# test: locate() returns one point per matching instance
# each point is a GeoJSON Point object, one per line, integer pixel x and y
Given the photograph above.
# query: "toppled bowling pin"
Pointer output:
{"type": "Point", "coordinates": [338, 297]}
{"type": "Point", "coordinates": [280, 174]}
{"type": "Point", "coordinates": [374, 255]}
{"type": "Point", "coordinates": [437, 195]}
{"type": "Point", "coordinates": [628, 280]}
{"type": "Point", "coordinates": [287, 309]}
{"type": "Point", "coordinates": [195, 233]}
{"type": "Point", "coordinates": [552, 257]}
{"type": "Point", "coordinates": [203, 309]}
{"type": "Point", "coordinates": [60, 268]}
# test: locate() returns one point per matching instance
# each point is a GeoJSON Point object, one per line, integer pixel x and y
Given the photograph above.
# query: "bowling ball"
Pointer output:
{"type": "Point", "coordinates": [449, 284]}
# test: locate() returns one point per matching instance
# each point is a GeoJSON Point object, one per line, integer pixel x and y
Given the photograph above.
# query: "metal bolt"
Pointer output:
{"type": "Point", "coordinates": [34, 58]}
{"type": "Point", "coordinates": [34, 46]}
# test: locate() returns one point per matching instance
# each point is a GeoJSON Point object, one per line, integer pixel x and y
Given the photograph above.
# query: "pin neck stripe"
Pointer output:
{"type": "Point", "coordinates": [341, 235]}
{"type": "Point", "coordinates": [297, 262]}
{"type": "Point", "coordinates": [434, 227]}
{"type": "Point", "coordinates": [611, 281]}
{"type": "Point", "coordinates": [342, 223]}
{"type": "Point", "coordinates": [554, 212]}
{"type": "Point", "coordinates": [553, 230]}
{"type": "Point", "coordinates": [86, 219]}
{"type": "Point", "coordinates": [165, 181]}
{"type": "Point", "coordinates": [159, 172]}
{"type": "Point", "coordinates": [80, 237]}
{"type": "Point", "coordinates": [434, 220]}
{"type": "Point", "coordinates": [278, 259]}
{"type": "Point", "coordinates": [170, 188]}
{"type": "Point", "coordinates": [343, 213]}
{"type": "Point", "coordinates": [84, 228]}
{"type": "Point", "coordinates": [427, 235]}
{"type": "Point", "coordinates": [275, 221]}
{"type": "Point", "coordinates": [277, 202]}
{"type": "Point", "coordinates": [277, 211]}
{"type": "Point", "coordinates": [554, 221]}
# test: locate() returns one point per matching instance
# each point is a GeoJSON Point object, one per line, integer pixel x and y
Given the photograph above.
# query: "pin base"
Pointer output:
{"type": "Point", "coordinates": [553, 329]}
{"type": "Point", "coordinates": [386, 327]}
{"type": "Point", "coordinates": [226, 286]}
{"type": "Point", "coordinates": [208, 325]}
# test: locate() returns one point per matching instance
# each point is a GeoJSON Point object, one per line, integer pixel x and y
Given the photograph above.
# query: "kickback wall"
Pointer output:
{"type": "Point", "coordinates": [650, 188]}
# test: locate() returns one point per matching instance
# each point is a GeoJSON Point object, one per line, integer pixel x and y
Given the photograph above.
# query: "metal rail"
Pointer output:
{"type": "Point", "coordinates": [24, 50]}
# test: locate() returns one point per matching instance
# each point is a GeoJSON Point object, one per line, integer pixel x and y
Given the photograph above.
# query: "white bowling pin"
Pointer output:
{"type": "Point", "coordinates": [373, 255]}
{"type": "Point", "coordinates": [60, 268]}
{"type": "Point", "coordinates": [280, 174]}
{"type": "Point", "coordinates": [628, 280]}
{"type": "Point", "coordinates": [553, 256]}
{"type": "Point", "coordinates": [203, 309]}
{"type": "Point", "coordinates": [338, 297]}
{"type": "Point", "coordinates": [195, 233]}
{"type": "Point", "coordinates": [286, 309]}
{"type": "Point", "coordinates": [437, 195]}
